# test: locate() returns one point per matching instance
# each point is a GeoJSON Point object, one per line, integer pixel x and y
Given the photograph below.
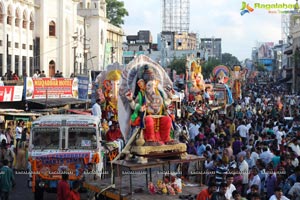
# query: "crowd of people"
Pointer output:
{"type": "Point", "coordinates": [252, 151]}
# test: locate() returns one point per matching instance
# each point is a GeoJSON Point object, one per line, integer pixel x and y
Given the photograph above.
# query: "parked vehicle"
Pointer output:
{"type": "Point", "coordinates": [63, 144]}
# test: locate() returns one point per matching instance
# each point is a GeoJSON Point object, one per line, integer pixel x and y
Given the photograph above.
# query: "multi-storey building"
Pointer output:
{"type": "Point", "coordinates": [67, 36]}
{"type": "Point", "coordinates": [212, 47]}
{"type": "Point", "coordinates": [103, 42]}
{"type": "Point", "coordinates": [17, 27]}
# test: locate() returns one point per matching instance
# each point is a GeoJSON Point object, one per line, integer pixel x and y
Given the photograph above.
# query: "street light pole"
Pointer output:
{"type": "Point", "coordinates": [75, 36]}
{"type": "Point", "coordinates": [85, 49]}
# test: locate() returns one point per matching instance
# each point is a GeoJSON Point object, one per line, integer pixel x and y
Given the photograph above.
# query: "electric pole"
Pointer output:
{"type": "Point", "coordinates": [84, 48]}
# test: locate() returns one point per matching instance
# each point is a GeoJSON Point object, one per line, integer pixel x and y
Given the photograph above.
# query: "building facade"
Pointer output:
{"type": "Point", "coordinates": [70, 36]}
{"type": "Point", "coordinates": [17, 27]}
{"type": "Point", "coordinates": [103, 41]}
{"type": "Point", "coordinates": [212, 47]}
{"type": "Point", "coordinates": [56, 25]}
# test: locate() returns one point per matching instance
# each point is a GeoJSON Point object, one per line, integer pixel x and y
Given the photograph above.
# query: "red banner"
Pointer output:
{"type": "Point", "coordinates": [41, 88]}
{"type": "Point", "coordinates": [11, 93]}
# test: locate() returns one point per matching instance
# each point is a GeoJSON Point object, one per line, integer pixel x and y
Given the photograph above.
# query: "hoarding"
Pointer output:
{"type": "Point", "coordinates": [11, 93]}
{"type": "Point", "coordinates": [41, 88]}
{"type": "Point", "coordinates": [265, 50]}
{"type": "Point", "coordinates": [83, 87]}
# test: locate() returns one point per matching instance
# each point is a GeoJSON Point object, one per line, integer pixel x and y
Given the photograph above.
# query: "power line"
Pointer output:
{"type": "Point", "coordinates": [66, 44]}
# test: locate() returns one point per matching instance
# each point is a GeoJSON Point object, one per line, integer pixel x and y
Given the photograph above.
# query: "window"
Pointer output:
{"type": "Point", "coordinates": [31, 25]}
{"type": "Point", "coordinates": [24, 63]}
{"type": "Point", "coordinates": [8, 62]}
{"type": "Point", "coordinates": [30, 47]}
{"type": "Point", "coordinates": [17, 64]}
{"type": "Point", "coordinates": [1, 14]}
{"type": "Point", "coordinates": [16, 45]}
{"type": "Point", "coordinates": [52, 28]}
{"type": "Point", "coordinates": [17, 19]}
{"type": "Point", "coordinates": [0, 42]}
{"type": "Point", "coordinates": [9, 20]}
{"type": "Point", "coordinates": [17, 22]}
{"type": "Point", "coordinates": [9, 15]}
{"type": "Point", "coordinates": [8, 44]}
{"type": "Point", "coordinates": [25, 21]}
{"type": "Point", "coordinates": [23, 46]}
{"type": "Point", "coordinates": [1, 59]}
{"type": "Point", "coordinates": [31, 67]}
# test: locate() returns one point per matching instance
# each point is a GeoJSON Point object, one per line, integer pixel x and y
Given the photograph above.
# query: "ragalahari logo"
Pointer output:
{"type": "Point", "coordinates": [246, 8]}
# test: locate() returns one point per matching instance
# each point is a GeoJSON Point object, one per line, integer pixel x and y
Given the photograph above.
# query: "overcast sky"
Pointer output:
{"type": "Point", "coordinates": [213, 18]}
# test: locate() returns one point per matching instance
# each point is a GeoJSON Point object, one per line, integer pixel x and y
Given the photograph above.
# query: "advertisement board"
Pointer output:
{"type": "Point", "coordinates": [83, 87]}
{"type": "Point", "coordinates": [11, 93]}
{"type": "Point", "coordinates": [41, 88]}
{"type": "Point", "coordinates": [265, 50]}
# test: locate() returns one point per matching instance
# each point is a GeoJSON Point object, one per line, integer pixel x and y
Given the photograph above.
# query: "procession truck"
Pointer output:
{"type": "Point", "coordinates": [63, 144]}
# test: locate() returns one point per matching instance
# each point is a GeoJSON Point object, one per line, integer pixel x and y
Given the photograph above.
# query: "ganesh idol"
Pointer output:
{"type": "Point", "coordinates": [149, 104]}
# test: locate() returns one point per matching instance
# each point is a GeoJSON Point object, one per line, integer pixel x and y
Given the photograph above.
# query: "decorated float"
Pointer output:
{"type": "Point", "coordinates": [238, 78]}
{"type": "Point", "coordinates": [107, 87]}
{"type": "Point", "coordinates": [145, 95]}
{"type": "Point", "coordinates": [222, 92]}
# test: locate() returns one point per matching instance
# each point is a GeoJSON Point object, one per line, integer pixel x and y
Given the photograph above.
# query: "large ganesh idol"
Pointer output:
{"type": "Point", "coordinates": [195, 79]}
{"type": "Point", "coordinates": [144, 96]}
{"type": "Point", "coordinates": [238, 76]}
{"type": "Point", "coordinates": [107, 91]}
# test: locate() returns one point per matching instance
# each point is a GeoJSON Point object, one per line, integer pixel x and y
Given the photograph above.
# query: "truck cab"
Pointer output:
{"type": "Point", "coordinates": [63, 144]}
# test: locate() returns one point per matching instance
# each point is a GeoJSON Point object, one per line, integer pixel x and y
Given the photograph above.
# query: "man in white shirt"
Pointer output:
{"type": "Point", "coordinates": [244, 170]}
{"type": "Point", "coordinates": [255, 180]}
{"type": "Point", "coordinates": [247, 100]}
{"type": "Point", "coordinates": [96, 109]}
{"type": "Point", "coordinates": [230, 187]}
{"type": "Point", "coordinates": [193, 130]}
{"type": "Point", "coordinates": [278, 195]}
{"type": "Point", "coordinates": [213, 127]}
{"type": "Point", "coordinates": [243, 131]}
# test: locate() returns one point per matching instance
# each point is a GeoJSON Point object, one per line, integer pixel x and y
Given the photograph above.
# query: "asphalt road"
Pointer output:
{"type": "Point", "coordinates": [21, 190]}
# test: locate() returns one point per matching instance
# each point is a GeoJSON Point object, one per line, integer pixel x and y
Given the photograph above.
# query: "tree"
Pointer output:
{"type": "Point", "coordinates": [208, 67]}
{"type": "Point", "coordinates": [260, 67]}
{"type": "Point", "coordinates": [229, 60]}
{"type": "Point", "coordinates": [115, 12]}
{"type": "Point", "coordinates": [178, 64]}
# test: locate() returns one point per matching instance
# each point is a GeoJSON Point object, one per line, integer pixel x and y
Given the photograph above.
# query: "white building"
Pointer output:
{"type": "Point", "coordinates": [103, 40]}
{"type": "Point", "coordinates": [56, 25]}
{"type": "Point", "coordinates": [57, 35]}
{"type": "Point", "coordinates": [17, 26]}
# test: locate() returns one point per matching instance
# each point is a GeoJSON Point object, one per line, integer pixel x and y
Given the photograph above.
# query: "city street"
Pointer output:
{"type": "Point", "coordinates": [21, 190]}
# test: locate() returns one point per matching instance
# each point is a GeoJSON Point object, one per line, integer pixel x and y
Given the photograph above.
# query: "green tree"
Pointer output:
{"type": "Point", "coordinates": [115, 12]}
{"type": "Point", "coordinates": [208, 67]}
{"type": "Point", "coordinates": [260, 67]}
{"type": "Point", "coordinates": [178, 64]}
{"type": "Point", "coordinates": [229, 60]}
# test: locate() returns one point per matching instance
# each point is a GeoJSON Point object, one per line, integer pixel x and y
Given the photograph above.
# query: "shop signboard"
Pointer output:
{"type": "Point", "coordinates": [11, 93]}
{"type": "Point", "coordinates": [42, 88]}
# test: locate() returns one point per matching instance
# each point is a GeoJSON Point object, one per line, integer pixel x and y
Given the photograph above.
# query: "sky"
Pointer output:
{"type": "Point", "coordinates": [214, 18]}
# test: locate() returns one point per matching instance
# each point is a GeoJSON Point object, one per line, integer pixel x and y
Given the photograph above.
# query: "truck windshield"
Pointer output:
{"type": "Point", "coordinates": [82, 138]}
{"type": "Point", "coordinates": [45, 138]}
